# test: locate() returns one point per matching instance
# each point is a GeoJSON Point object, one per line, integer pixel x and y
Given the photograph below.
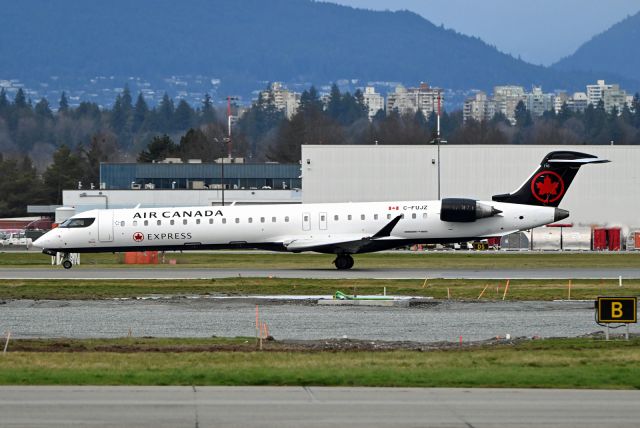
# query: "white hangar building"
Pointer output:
{"type": "Point", "coordinates": [603, 194]}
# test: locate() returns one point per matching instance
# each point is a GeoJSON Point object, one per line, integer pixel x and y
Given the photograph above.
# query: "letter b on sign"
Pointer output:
{"type": "Point", "coordinates": [617, 309]}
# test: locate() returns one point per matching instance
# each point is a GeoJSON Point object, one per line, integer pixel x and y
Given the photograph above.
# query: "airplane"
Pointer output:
{"type": "Point", "coordinates": [342, 229]}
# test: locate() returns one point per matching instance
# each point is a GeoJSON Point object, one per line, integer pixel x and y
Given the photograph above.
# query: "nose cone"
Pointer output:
{"type": "Point", "coordinates": [560, 214]}
{"type": "Point", "coordinates": [40, 242]}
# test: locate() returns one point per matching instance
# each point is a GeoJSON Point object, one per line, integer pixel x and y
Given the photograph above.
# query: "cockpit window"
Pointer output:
{"type": "Point", "coordinates": [77, 222]}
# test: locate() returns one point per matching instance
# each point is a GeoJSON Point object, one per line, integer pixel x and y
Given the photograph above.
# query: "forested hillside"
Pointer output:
{"type": "Point", "coordinates": [614, 51]}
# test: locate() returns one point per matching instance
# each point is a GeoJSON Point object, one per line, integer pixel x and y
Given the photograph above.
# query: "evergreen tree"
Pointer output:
{"type": "Point", "coordinates": [65, 172]}
{"type": "Point", "coordinates": [335, 104]}
{"type": "Point", "coordinates": [4, 102]}
{"type": "Point", "coordinates": [158, 149]}
{"type": "Point", "coordinates": [140, 113]}
{"type": "Point", "coordinates": [165, 113]}
{"type": "Point", "coordinates": [20, 101]}
{"type": "Point", "coordinates": [183, 116]}
{"type": "Point", "coordinates": [523, 117]}
{"type": "Point", "coordinates": [208, 112]}
{"type": "Point", "coordinates": [63, 105]}
{"type": "Point", "coordinates": [42, 109]}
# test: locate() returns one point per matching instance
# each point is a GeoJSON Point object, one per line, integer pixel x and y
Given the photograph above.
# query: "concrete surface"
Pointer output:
{"type": "Point", "coordinates": [55, 406]}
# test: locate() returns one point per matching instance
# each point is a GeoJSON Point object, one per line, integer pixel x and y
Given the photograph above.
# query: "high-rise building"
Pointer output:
{"type": "Point", "coordinates": [614, 97]}
{"type": "Point", "coordinates": [424, 98]}
{"type": "Point", "coordinates": [479, 108]}
{"type": "Point", "coordinates": [595, 93]}
{"type": "Point", "coordinates": [507, 99]}
{"type": "Point", "coordinates": [538, 102]}
{"type": "Point", "coordinates": [283, 99]}
{"type": "Point", "coordinates": [373, 100]}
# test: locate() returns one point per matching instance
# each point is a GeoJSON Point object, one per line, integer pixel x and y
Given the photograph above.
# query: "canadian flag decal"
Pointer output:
{"type": "Point", "coordinates": [394, 208]}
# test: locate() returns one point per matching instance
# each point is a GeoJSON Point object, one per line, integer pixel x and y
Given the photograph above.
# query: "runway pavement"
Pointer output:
{"type": "Point", "coordinates": [56, 406]}
{"type": "Point", "coordinates": [85, 272]}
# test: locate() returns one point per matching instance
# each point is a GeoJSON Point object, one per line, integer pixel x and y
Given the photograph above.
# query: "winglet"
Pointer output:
{"type": "Point", "coordinates": [386, 231]}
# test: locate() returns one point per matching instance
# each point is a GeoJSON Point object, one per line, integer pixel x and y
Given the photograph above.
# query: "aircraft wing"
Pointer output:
{"type": "Point", "coordinates": [348, 243]}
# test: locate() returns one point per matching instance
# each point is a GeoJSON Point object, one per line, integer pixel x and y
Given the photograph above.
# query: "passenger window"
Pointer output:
{"type": "Point", "coordinates": [375, 216]}
{"type": "Point", "coordinates": [184, 221]}
{"type": "Point", "coordinates": [159, 222]}
{"type": "Point", "coordinates": [224, 221]}
{"type": "Point", "coordinates": [306, 218]}
{"type": "Point", "coordinates": [402, 216]}
{"type": "Point", "coordinates": [250, 220]}
{"type": "Point", "coordinates": [322, 218]}
{"type": "Point", "coordinates": [172, 222]}
{"type": "Point", "coordinates": [424, 215]}
{"type": "Point", "coordinates": [273, 219]}
{"type": "Point", "coordinates": [135, 222]}
{"type": "Point", "coordinates": [210, 221]}
{"type": "Point", "coordinates": [237, 220]}
{"type": "Point", "coordinates": [335, 217]}
{"type": "Point", "coordinates": [122, 223]}
{"type": "Point", "coordinates": [388, 216]}
{"type": "Point", "coordinates": [413, 216]}
{"type": "Point", "coordinates": [361, 216]}
{"type": "Point", "coordinates": [197, 221]}
{"type": "Point", "coordinates": [286, 219]}
{"type": "Point", "coordinates": [261, 219]}
{"type": "Point", "coordinates": [146, 222]}
{"type": "Point", "coordinates": [349, 217]}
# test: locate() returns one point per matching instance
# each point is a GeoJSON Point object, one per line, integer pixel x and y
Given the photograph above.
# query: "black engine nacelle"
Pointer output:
{"type": "Point", "coordinates": [461, 210]}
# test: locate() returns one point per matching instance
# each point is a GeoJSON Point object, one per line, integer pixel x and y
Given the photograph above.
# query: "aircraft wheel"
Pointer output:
{"type": "Point", "coordinates": [343, 261]}
{"type": "Point", "coordinates": [67, 264]}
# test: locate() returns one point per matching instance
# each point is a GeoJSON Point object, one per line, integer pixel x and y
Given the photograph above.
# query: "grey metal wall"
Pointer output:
{"type": "Point", "coordinates": [607, 194]}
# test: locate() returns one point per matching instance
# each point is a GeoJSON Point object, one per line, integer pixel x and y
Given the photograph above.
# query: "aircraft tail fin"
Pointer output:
{"type": "Point", "coordinates": [550, 182]}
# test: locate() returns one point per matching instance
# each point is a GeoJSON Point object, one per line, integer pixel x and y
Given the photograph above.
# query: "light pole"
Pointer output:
{"type": "Point", "coordinates": [438, 141]}
{"type": "Point", "coordinates": [225, 142]}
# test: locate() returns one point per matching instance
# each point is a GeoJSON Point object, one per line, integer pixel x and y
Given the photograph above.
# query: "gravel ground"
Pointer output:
{"type": "Point", "coordinates": [294, 320]}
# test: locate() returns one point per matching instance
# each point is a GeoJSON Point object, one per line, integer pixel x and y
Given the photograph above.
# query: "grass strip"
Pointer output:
{"type": "Point", "coordinates": [459, 289]}
{"type": "Point", "coordinates": [423, 260]}
{"type": "Point", "coordinates": [567, 363]}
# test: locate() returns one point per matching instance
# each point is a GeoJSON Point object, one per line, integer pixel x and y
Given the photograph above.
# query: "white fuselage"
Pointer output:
{"type": "Point", "coordinates": [282, 227]}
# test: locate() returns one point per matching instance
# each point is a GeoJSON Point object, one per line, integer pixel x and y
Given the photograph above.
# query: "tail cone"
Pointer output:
{"type": "Point", "coordinates": [560, 214]}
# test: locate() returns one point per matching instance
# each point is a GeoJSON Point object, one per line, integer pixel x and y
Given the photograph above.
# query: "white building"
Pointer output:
{"type": "Point", "coordinates": [424, 98]}
{"type": "Point", "coordinates": [479, 108]}
{"type": "Point", "coordinates": [373, 100]}
{"type": "Point", "coordinates": [602, 194]}
{"type": "Point", "coordinates": [614, 97]}
{"type": "Point", "coordinates": [595, 93]}
{"type": "Point", "coordinates": [538, 102]}
{"type": "Point", "coordinates": [507, 98]}
{"type": "Point", "coordinates": [284, 100]}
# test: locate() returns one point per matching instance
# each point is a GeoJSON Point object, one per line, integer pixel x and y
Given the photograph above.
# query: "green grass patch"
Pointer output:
{"type": "Point", "coordinates": [460, 289]}
{"type": "Point", "coordinates": [418, 260]}
{"type": "Point", "coordinates": [569, 363]}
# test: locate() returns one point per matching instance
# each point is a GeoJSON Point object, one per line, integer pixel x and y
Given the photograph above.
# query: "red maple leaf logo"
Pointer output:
{"type": "Point", "coordinates": [547, 187]}
{"type": "Point", "coordinates": [138, 237]}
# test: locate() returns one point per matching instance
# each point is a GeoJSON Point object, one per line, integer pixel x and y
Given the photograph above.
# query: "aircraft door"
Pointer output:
{"type": "Point", "coordinates": [323, 221]}
{"type": "Point", "coordinates": [105, 226]}
{"type": "Point", "coordinates": [306, 221]}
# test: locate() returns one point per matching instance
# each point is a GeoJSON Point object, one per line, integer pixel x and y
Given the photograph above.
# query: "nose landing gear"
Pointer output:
{"type": "Point", "coordinates": [343, 261]}
{"type": "Point", "coordinates": [66, 262]}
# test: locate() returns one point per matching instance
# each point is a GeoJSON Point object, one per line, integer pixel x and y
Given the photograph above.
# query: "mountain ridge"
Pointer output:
{"type": "Point", "coordinates": [247, 41]}
{"type": "Point", "coordinates": [613, 48]}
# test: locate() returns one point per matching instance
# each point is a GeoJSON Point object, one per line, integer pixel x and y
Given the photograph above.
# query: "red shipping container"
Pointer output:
{"type": "Point", "coordinates": [637, 239]}
{"type": "Point", "coordinates": [599, 239]}
{"type": "Point", "coordinates": [613, 238]}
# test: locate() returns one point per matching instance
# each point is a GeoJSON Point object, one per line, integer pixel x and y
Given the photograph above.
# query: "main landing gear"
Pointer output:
{"type": "Point", "coordinates": [343, 261]}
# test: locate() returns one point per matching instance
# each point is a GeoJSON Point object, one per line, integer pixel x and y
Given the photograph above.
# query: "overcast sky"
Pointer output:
{"type": "Point", "coordinates": [540, 31]}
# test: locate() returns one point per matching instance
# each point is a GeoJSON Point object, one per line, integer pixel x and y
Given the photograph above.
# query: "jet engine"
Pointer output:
{"type": "Point", "coordinates": [465, 210]}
